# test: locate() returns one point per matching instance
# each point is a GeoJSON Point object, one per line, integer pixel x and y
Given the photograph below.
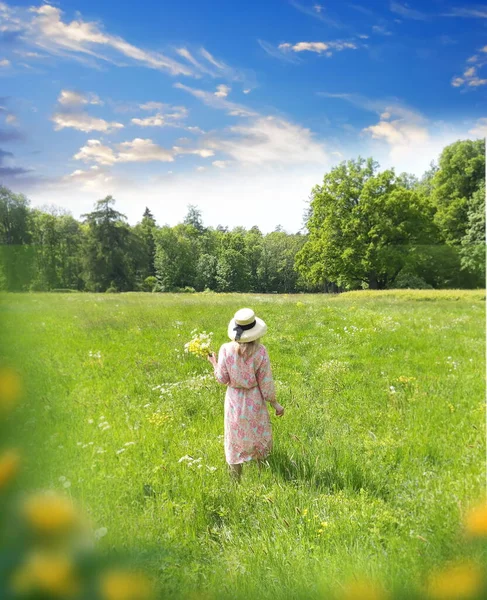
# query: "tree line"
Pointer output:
{"type": "Point", "coordinates": [364, 228]}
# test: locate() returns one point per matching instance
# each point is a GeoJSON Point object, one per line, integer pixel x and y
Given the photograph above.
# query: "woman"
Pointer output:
{"type": "Point", "coordinates": [243, 366]}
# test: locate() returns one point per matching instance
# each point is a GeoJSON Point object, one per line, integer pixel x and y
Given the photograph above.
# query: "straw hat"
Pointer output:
{"type": "Point", "coordinates": [245, 326]}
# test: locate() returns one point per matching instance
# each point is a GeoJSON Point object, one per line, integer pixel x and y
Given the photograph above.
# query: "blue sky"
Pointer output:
{"type": "Point", "coordinates": [239, 108]}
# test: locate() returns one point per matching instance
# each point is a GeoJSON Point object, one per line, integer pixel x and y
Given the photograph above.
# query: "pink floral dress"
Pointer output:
{"type": "Point", "coordinates": [248, 432]}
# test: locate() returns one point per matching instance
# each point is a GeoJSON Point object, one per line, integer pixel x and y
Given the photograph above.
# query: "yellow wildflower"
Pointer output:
{"type": "Point", "coordinates": [363, 590]}
{"type": "Point", "coordinates": [458, 582]}
{"type": "Point", "coordinates": [125, 585]}
{"type": "Point", "coordinates": [199, 345]}
{"type": "Point", "coordinates": [476, 521]}
{"type": "Point", "coordinates": [50, 514]}
{"type": "Point", "coordinates": [51, 574]}
{"type": "Point", "coordinates": [10, 389]}
{"type": "Point", "coordinates": [9, 465]}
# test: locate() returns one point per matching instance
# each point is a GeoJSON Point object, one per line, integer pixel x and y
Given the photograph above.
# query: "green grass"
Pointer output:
{"type": "Point", "coordinates": [390, 474]}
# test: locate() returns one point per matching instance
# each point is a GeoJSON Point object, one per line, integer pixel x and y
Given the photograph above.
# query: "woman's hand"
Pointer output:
{"type": "Point", "coordinates": [212, 359]}
{"type": "Point", "coordinates": [279, 409]}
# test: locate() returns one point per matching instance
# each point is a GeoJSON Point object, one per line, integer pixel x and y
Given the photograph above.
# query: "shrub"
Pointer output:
{"type": "Point", "coordinates": [411, 281]}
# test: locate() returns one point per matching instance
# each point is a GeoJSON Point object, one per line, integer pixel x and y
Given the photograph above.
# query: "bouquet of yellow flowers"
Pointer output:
{"type": "Point", "coordinates": [199, 344]}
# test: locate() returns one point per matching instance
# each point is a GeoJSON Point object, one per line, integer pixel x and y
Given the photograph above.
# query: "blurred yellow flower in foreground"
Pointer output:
{"type": "Point", "coordinates": [9, 466]}
{"type": "Point", "coordinates": [10, 389]}
{"type": "Point", "coordinates": [125, 585]}
{"type": "Point", "coordinates": [458, 582]}
{"type": "Point", "coordinates": [50, 514]}
{"type": "Point", "coordinates": [45, 573]}
{"type": "Point", "coordinates": [476, 521]}
{"type": "Point", "coordinates": [363, 590]}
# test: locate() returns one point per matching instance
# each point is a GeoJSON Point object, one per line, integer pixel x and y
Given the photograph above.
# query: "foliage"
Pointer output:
{"type": "Point", "coordinates": [363, 228]}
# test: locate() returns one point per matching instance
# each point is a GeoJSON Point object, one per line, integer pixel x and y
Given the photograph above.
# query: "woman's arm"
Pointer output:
{"type": "Point", "coordinates": [266, 383]}
{"type": "Point", "coordinates": [220, 367]}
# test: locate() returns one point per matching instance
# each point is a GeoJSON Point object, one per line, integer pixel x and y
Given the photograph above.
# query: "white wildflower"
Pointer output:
{"type": "Point", "coordinates": [100, 533]}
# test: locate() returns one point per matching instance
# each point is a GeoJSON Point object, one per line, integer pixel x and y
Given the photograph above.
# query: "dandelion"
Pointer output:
{"type": "Point", "coordinates": [363, 590]}
{"type": "Point", "coordinates": [47, 574]}
{"type": "Point", "coordinates": [476, 522]}
{"type": "Point", "coordinates": [90, 421]}
{"type": "Point", "coordinates": [10, 389]}
{"type": "Point", "coordinates": [457, 582]}
{"type": "Point", "coordinates": [392, 389]}
{"type": "Point", "coordinates": [9, 466]}
{"type": "Point", "coordinates": [125, 585]}
{"type": "Point", "coordinates": [199, 345]}
{"type": "Point", "coordinates": [49, 513]}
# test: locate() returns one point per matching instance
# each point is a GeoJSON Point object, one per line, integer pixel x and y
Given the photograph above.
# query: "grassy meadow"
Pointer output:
{"type": "Point", "coordinates": [380, 453]}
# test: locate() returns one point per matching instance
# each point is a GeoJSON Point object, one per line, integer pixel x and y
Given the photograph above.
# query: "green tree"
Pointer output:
{"type": "Point", "coordinates": [461, 172]}
{"type": "Point", "coordinates": [364, 227]}
{"type": "Point", "coordinates": [177, 254]}
{"type": "Point", "coordinates": [107, 259]}
{"type": "Point", "coordinates": [16, 257]}
{"type": "Point", "coordinates": [473, 243]}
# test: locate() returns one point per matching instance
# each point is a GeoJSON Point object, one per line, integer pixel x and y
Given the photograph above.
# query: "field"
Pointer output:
{"type": "Point", "coordinates": [380, 453]}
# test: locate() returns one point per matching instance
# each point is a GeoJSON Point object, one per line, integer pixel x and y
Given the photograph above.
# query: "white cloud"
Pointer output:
{"type": "Point", "coordinates": [152, 106]}
{"type": "Point", "coordinates": [318, 47]}
{"type": "Point", "coordinates": [480, 129]}
{"type": "Point", "coordinates": [220, 164]}
{"type": "Point", "coordinates": [137, 150]}
{"type": "Point", "coordinates": [408, 13]}
{"type": "Point", "coordinates": [398, 133]}
{"type": "Point", "coordinates": [470, 77]}
{"type": "Point", "coordinates": [4, 62]}
{"type": "Point", "coordinates": [95, 151]}
{"type": "Point", "coordinates": [479, 12]}
{"type": "Point", "coordinates": [83, 122]}
{"type": "Point", "coordinates": [94, 177]}
{"type": "Point", "coordinates": [200, 169]}
{"type": "Point", "coordinates": [10, 119]}
{"type": "Point", "coordinates": [45, 27]}
{"type": "Point", "coordinates": [381, 30]}
{"type": "Point", "coordinates": [222, 91]}
{"type": "Point", "coordinates": [157, 120]}
{"type": "Point", "coordinates": [209, 98]}
{"type": "Point", "coordinates": [247, 91]}
{"type": "Point", "coordinates": [143, 150]}
{"type": "Point", "coordinates": [70, 98]}
{"type": "Point", "coordinates": [269, 140]}
{"type": "Point", "coordinates": [203, 152]}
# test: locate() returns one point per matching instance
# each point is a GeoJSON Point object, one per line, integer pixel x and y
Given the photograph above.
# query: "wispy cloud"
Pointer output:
{"type": "Point", "coordinates": [321, 15]}
{"type": "Point", "coordinates": [473, 12]}
{"type": "Point", "coordinates": [268, 140]}
{"type": "Point", "coordinates": [480, 128]}
{"type": "Point", "coordinates": [166, 115]}
{"type": "Point", "coordinates": [70, 113]}
{"type": "Point", "coordinates": [44, 27]}
{"type": "Point", "coordinates": [83, 122]}
{"type": "Point", "coordinates": [210, 99]}
{"type": "Point", "coordinates": [4, 63]}
{"type": "Point", "coordinates": [273, 51]}
{"type": "Point", "coordinates": [406, 12]}
{"type": "Point", "coordinates": [381, 30]}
